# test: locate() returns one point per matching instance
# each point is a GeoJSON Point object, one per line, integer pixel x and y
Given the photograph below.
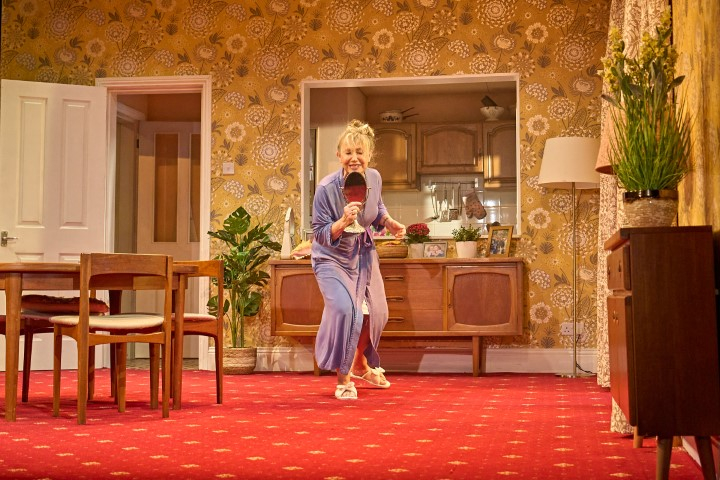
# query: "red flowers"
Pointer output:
{"type": "Point", "coordinates": [417, 233]}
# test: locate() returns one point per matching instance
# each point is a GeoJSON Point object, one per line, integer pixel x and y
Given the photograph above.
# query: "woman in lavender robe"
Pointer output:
{"type": "Point", "coordinates": [347, 268]}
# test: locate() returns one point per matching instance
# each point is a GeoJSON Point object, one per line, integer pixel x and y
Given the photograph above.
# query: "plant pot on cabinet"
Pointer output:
{"type": "Point", "coordinates": [650, 208]}
{"type": "Point", "coordinates": [415, 250]}
{"type": "Point", "coordinates": [466, 249]}
{"type": "Point", "coordinates": [239, 361]}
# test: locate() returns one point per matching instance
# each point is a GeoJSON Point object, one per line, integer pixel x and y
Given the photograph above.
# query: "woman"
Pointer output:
{"type": "Point", "coordinates": [347, 268]}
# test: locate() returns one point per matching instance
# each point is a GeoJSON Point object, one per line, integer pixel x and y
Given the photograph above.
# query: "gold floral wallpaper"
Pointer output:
{"type": "Point", "coordinates": [258, 53]}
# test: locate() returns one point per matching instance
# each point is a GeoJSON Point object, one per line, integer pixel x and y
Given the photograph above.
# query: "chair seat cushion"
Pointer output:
{"type": "Point", "coordinates": [198, 317]}
{"type": "Point", "coordinates": [53, 304]}
{"type": "Point", "coordinates": [123, 321]}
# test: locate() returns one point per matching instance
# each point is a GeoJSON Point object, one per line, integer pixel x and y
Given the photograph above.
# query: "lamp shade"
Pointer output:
{"type": "Point", "coordinates": [568, 161]}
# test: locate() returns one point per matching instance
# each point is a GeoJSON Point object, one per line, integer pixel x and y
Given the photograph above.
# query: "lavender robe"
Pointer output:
{"type": "Point", "coordinates": [348, 272]}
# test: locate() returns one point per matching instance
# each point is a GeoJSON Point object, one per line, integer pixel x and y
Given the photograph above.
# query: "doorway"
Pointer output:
{"type": "Point", "coordinates": [132, 101]}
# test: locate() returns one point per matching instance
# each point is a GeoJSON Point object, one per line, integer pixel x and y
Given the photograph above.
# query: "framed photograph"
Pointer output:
{"type": "Point", "coordinates": [499, 241]}
{"type": "Point", "coordinates": [435, 249]}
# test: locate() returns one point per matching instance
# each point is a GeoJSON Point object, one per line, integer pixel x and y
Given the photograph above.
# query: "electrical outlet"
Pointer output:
{"type": "Point", "coordinates": [566, 328]}
{"type": "Point", "coordinates": [228, 168]}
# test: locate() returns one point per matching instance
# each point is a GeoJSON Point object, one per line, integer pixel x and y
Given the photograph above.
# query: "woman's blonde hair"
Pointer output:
{"type": "Point", "coordinates": [358, 133]}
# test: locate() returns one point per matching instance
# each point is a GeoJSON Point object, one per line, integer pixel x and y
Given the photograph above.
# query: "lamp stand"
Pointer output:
{"type": "Point", "coordinates": [574, 372]}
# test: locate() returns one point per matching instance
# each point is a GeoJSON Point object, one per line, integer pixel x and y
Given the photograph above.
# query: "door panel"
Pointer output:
{"type": "Point", "coordinates": [53, 177]}
{"type": "Point", "coordinates": [168, 199]}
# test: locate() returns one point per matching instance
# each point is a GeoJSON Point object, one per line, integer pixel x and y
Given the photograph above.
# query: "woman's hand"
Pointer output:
{"type": "Point", "coordinates": [395, 227]}
{"type": "Point", "coordinates": [350, 212]}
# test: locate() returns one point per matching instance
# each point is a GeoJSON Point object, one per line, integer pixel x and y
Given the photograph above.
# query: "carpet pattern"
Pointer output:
{"type": "Point", "coordinates": [289, 426]}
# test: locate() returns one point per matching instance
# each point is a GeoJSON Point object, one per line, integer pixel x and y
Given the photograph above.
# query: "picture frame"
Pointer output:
{"type": "Point", "coordinates": [435, 249]}
{"type": "Point", "coordinates": [499, 238]}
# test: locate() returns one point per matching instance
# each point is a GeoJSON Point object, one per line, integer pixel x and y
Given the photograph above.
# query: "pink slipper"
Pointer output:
{"type": "Point", "coordinates": [371, 377]}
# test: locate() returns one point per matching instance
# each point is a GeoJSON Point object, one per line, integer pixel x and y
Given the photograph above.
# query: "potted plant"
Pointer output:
{"type": "Point", "coordinates": [245, 251]}
{"type": "Point", "coordinates": [650, 151]}
{"type": "Point", "coordinates": [415, 235]}
{"type": "Point", "coordinates": [466, 238]}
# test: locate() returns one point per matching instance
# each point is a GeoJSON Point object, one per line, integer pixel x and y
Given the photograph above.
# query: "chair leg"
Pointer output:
{"type": "Point", "coordinates": [154, 372]}
{"type": "Point", "coordinates": [91, 373]}
{"type": "Point", "coordinates": [82, 380]}
{"type": "Point", "coordinates": [121, 375]}
{"type": "Point", "coordinates": [113, 371]}
{"type": "Point", "coordinates": [166, 379]}
{"type": "Point", "coordinates": [57, 357]}
{"type": "Point", "coordinates": [27, 363]}
{"type": "Point", "coordinates": [219, 371]}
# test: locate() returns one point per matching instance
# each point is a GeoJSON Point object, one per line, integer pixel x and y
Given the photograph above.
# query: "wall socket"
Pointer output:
{"type": "Point", "coordinates": [566, 328]}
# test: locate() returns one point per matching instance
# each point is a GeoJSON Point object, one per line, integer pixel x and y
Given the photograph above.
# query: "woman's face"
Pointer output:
{"type": "Point", "coordinates": [353, 158]}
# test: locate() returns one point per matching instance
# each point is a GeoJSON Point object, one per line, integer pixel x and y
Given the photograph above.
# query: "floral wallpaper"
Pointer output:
{"type": "Point", "coordinates": [258, 53]}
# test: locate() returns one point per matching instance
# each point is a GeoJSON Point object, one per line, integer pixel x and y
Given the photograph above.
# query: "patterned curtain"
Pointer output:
{"type": "Point", "coordinates": [632, 18]}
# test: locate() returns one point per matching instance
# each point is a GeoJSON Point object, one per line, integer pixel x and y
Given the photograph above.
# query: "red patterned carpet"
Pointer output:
{"type": "Point", "coordinates": [289, 426]}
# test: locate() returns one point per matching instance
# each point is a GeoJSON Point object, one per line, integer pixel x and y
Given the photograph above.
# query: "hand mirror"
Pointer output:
{"type": "Point", "coordinates": [355, 190]}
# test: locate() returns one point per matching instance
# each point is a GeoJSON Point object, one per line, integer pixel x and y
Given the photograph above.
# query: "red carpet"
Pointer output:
{"type": "Point", "coordinates": [289, 426]}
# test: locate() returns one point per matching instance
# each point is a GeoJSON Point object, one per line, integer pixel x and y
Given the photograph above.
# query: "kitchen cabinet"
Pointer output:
{"type": "Point", "coordinates": [499, 156]}
{"type": "Point", "coordinates": [663, 337]}
{"type": "Point", "coordinates": [449, 148]}
{"type": "Point", "coordinates": [436, 298]}
{"type": "Point", "coordinates": [395, 155]}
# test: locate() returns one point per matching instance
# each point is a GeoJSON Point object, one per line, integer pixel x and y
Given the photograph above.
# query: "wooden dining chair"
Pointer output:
{"type": "Point", "coordinates": [35, 318]}
{"type": "Point", "coordinates": [118, 271]}
{"type": "Point", "coordinates": [204, 324]}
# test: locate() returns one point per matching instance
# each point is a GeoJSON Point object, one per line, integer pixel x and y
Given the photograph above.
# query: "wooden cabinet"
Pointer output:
{"type": "Point", "coordinates": [499, 153]}
{"type": "Point", "coordinates": [395, 155]}
{"type": "Point", "coordinates": [426, 298]}
{"type": "Point", "coordinates": [449, 148]}
{"type": "Point", "coordinates": [662, 329]}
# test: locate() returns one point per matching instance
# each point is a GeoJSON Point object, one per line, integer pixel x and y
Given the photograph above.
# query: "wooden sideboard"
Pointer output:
{"type": "Point", "coordinates": [426, 298]}
{"type": "Point", "coordinates": [663, 336]}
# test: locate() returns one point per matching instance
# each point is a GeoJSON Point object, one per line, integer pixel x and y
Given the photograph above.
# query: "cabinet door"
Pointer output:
{"type": "Point", "coordinates": [621, 371]}
{"type": "Point", "coordinates": [499, 152]}
{"type": "Point", "coordinates": [297, 303]}
{"type": "Point", "coordinates": [449, 148]}
{"type": "Point", "coordinates": [485, 300]}
{"type": "Point", "coordinates": [395, 155]}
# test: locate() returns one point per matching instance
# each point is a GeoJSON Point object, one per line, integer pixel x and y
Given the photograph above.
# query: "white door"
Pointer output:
{"type": "Point", "coordinates": [168, 217]}
{"type": "Point", "coordinates": [53, 178]}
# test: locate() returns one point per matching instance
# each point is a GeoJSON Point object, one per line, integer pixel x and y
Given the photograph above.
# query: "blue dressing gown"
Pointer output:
{"type": "Point", "coordinates": [348, 272]}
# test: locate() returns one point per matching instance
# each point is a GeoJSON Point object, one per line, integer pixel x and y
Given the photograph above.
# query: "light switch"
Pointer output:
{"type": "Point", "coordinates": [228, 168]}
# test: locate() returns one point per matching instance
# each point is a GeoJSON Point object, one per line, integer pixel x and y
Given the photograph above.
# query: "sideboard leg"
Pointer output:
{"type": "Point", "coordinates": [477, 356]}
{"type": "Point", "coordinates": [637, 439]}
{"type": "Point", "coordinates": [704, 448]}
{"type": "Point", "coordinates": [664, 449]}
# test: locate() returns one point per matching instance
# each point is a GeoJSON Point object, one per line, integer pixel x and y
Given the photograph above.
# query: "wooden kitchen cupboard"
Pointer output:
{"type": "Point", "coordinates": [499, 157]}
{"type": "Point", "coordinates": [395, 157]}
{"type": "Point", "coordinates": [663, 336]}
{"type": "Point", "coordinates": [428, 298]}
{"type": "Point", "coordinates": [449, 148]}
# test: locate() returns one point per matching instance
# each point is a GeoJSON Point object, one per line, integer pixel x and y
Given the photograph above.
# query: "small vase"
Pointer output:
{"type": "Point", "coordinates": [467, 249]}
{"type": "Point", "coordinates": [415, 250]}
{"type": "Point", "coordinates": [650, 208]}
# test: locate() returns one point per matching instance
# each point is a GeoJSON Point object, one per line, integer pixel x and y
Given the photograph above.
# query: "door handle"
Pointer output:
{"type": "Point", "coordinates": [4, 238]}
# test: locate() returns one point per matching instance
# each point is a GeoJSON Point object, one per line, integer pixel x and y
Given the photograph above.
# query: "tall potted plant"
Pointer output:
{"type": "Point", "coordinates": [245, 251]}
{"type": "Point", "coordinates": [650, 151]}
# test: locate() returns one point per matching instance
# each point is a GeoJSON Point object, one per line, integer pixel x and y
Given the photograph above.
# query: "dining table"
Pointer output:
{"type": "Point", "coordinates": [19, 277]}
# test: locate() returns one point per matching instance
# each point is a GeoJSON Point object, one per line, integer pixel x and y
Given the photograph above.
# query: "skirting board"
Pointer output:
{"type": "Point", "coordinates": [450, 360]}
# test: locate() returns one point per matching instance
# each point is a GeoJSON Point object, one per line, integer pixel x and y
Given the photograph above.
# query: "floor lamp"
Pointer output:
{"type": "Point", "coordinates": [569, 163]}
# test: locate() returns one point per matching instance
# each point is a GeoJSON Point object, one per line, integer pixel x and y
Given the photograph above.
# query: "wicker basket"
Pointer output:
{"type": "Point", "coordinates": [391, 251]}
